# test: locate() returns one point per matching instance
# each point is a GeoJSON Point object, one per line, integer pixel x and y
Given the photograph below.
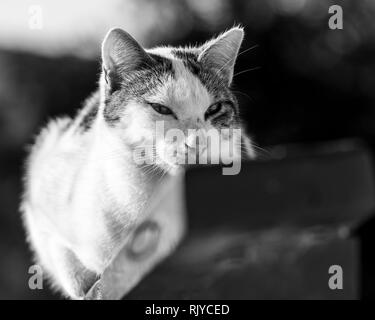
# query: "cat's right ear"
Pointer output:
{"type": "Point", "coordinates": [121, 54]}
{"type": "Point", "coordinates": [220, 54]}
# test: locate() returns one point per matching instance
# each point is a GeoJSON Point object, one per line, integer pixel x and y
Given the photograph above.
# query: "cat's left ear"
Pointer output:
{"type": "Point", "coordinates": [221, 53]}
{"type": "Point", "coordinates": [122, 54]}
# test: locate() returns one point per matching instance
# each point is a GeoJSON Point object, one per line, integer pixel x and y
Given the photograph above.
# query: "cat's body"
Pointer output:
{"type": "Point", "coordinates": [84, 191]}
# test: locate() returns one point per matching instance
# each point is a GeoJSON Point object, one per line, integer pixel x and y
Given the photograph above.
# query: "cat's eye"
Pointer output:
{"type": "Point", "coordinates": [161, 109]}
{"type": "Point", "coordinates": [213, 109]}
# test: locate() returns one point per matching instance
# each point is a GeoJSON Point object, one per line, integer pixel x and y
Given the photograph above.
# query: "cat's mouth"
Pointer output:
{"type": "Point", "coordinates": [186, 158]}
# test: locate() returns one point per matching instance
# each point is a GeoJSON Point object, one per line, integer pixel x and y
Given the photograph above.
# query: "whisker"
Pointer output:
{"type": "Point", "coordinates": [231, 60]}
{"type": "Point", "coordinates": [261, 153]}
{"type": "Point", "coordinates": [246, 70]}
{"type": "Point", "coordinates": [244, 94]}
{"type": "Point", "coordinates": [248, 49]}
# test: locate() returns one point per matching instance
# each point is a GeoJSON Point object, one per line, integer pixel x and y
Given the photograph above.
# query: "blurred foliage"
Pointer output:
{"type": "Point", "coordinates": [313, 84]}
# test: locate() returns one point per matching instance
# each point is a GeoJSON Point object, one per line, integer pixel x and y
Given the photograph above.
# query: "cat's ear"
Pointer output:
{"type": "Point", "coordinates": [121, 53]}
{"type": "Point", "coordinates": [220, 54]}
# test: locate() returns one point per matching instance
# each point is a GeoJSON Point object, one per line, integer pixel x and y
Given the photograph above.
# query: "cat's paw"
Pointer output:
{"type": "Point", "coordinates": [95, 292]}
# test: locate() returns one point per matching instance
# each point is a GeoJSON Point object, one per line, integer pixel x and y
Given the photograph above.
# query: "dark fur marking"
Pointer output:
{"type": "Point", "coordinates": [91, 107]}
{"type": "Point", "coordinates": [224, 120]}
{"type": "Point", "coordinates": [190, 60]}
{"type": "Point", "coordinates": [134, 85]}
{"type": "Point", "coordinates": [211, 79]}
{"type": "Point", "coordinates": [66, 126]}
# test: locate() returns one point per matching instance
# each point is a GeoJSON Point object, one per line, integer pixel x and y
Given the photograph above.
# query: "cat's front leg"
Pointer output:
{"type": "Point", "coordinates": [71, 275]}
{"type": "Point", "coordinates": [95, 292]}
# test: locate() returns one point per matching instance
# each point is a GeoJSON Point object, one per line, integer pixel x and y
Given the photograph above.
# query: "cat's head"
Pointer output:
{"type": "Point", "coordinates": [181, 91]}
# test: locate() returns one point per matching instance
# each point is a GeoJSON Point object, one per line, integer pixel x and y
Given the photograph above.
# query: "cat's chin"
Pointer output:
{"type": "Point", "coordinates": [175, 170]}
{"type": "Point", "coordinates": [172, 169]}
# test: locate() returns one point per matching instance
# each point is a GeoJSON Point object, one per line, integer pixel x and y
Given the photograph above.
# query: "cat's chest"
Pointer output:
{"type": "Point", "coordinates": [126, 192]}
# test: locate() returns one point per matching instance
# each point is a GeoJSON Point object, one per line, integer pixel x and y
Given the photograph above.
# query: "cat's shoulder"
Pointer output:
{"type": "Point", "coordinates": [88, 113]}
{"type": "Point", "coordinates": [50, 134]}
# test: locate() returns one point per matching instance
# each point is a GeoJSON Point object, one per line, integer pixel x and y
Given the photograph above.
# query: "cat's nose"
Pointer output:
{"type": "Point", "coordinates": [195, 142]}
{"type": "Point", "coordinates": [191, 142]}
{"type": "Point", "coordinates": [196, 146]}
{"type": "Point", "coordinates": [187, 146]}
{"type": "Point", "coordinates": [190, 146]}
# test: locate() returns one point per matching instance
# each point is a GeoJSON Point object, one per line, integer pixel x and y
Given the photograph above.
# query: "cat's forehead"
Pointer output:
{"type": "Point", "coordinates": [191, 83]}
{"type": "Point", "coordinates": [183, 92]}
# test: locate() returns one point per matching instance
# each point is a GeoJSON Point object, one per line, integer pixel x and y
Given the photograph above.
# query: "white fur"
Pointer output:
{"type": "Point", "coordinates": [84, 194]}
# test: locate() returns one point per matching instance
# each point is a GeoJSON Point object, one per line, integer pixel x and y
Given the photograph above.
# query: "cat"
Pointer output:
{"type": "Point", "coordinates": [83, 191]}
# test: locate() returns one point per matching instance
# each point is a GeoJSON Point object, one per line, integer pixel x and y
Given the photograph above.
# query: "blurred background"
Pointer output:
{"type": "Point", "coordinates": [300, 82]}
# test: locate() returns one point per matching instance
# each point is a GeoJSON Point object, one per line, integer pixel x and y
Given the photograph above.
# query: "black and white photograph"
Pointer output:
{"type": "Point", "coordinates": [187, 153]}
